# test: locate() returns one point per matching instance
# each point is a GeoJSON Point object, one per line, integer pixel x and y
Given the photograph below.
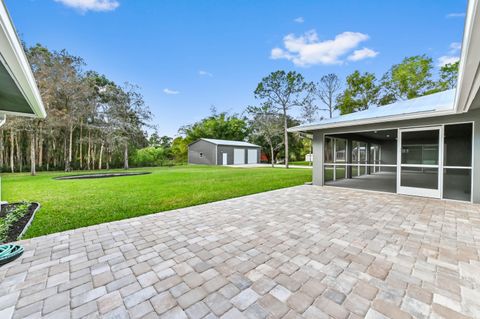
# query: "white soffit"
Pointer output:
{"type": "Point", "coordinates": [14, 61]}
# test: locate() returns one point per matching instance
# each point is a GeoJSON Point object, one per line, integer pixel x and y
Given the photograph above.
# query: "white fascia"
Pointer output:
{"type": "Point", "coordinates": [15, 61]}
{"type": "Point", "coordinates": [468, 74]}
{"type": "Point", "coordinates": [367, 121]}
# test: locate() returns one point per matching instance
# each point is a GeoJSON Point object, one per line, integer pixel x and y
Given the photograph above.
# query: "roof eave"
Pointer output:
{"type": "Point", "coordinates": [468, 75]}
{"type": "Point", "coordinates": [15, 61]}
{"type": "Point", "coordinates": [368, 121]}
{"type": "Point", "coordinates": [221, 144]}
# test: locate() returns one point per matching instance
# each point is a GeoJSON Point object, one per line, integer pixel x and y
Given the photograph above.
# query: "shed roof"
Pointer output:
{"type": "Point", "coordinates": [436, 104]}
{"type": "Point", "coordinates": [228, 142]}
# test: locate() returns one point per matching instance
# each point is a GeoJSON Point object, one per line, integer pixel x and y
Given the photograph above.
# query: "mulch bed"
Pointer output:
{"type": "Point", "coordinates": [100, 175]}
{"type": "Point", "coordinates": [16, 229]}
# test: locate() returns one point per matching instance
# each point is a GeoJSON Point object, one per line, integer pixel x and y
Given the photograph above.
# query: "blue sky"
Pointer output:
{"type": "Point", "coordinates": [189, 55]}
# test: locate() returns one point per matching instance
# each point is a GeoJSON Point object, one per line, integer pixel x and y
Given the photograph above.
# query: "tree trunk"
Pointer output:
{"type": "Point", "coordinates": [68, 162]}
{"type": "Point", "coordinates": [125, 156]}
{"type": "Point", "coordinates": [12, 149]}
{"type": "Point", "coordinates": [330, 105]}
{"type": "Point", "coordinates": [285, 127]}
{"type": "Point", "coordinates": [40, 147]}
{"type": "Point", "coordinates": [89, 151]}
{"type": "Point", "coordinates": [271, 154]}
{"type": "Point", "coordinates": [33, 171]}
{"type": "Point", "coordinates": [1, 149]}
{"type": "Point", "coordinates": [94, 153]}
{"type": "Point", "coordinates": [47, 154]}
{"type": "Point", "coordinates": [81, 144]}
{"type": "Point", "coordinates": [19, 154]}
{"type": "Point", "coordinates": [109, 157]}
{"type": "Point", "coordinates": [100, 156]}
{"type": "Point", "coordinates": [54, 147]}
{"type": "Point", "coordinates": [64, 151]}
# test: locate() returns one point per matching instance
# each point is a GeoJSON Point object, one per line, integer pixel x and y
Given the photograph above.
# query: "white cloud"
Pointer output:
{"type": "Point", "coordinates": [456, 15]}
{"type": "Point", "coordinates": [170, 91]}
{"type": "Point", "coordinates": [447, 59]}
{"type": "Point", "coordinates": [455, 47]}
{"type": "Point", "coordinates": [91, 5]}
{"type": "Point", "coordinates": [307, 49]}
{"type": "Point", "coordinates": [205, 73]}
{"type": "Point", "coordinates": [361, 54]}
{"type": "Point", "coordinates": [299, 20]}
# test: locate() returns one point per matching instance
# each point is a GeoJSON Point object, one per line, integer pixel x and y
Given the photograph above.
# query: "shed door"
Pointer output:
{"type": "Point", "coordinates": [252, 156]}
{"type": "Point", "coordinates": [238, 156]}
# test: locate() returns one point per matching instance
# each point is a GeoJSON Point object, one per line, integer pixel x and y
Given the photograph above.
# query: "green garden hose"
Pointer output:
{"type": "Point", "coordinates": [9, 252]}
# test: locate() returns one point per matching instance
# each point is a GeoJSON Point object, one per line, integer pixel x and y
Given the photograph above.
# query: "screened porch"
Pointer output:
{"type": "Point", "coordinates": [433, 161]}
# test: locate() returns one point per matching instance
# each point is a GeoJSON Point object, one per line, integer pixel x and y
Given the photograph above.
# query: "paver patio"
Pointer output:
{"type": "Point", "coordinates": [312, 252]}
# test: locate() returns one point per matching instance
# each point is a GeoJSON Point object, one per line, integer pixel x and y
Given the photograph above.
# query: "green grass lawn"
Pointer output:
{"type": "Point", "coordinates": [69, 204]}
{"type": "Point", "coordinates": [301, 163]}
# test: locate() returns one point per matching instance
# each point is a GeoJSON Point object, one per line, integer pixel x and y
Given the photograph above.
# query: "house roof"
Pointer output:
{"type": "Point", "coordinates": [19, 94]}
{"type": "Point", "coordinates": [463, 99]}
{"type": "Point", "coordinates": [228, 142]}
{"type": "Point", "coordinates": [469, 70]}
{"type": "Point", "coordinates": [426, 106]}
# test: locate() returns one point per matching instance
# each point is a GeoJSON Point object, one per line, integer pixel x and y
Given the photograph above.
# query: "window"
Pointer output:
{"type": "Point", "coordinates": [201, 154]}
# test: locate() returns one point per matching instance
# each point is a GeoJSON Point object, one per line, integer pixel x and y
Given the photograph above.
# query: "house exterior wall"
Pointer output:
{"type": "Point", "coordinates": [229, 150]}
{"type": "Point", "coordinates": [389, 152]}
{"type": "Point", "coordinates": [207, 149]}
{"type": "Point", "coordinates": [472, 116]}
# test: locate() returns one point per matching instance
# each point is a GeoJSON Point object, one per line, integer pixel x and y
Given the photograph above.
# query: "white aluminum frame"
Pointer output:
{"type": "Point", "coordinates": [335, 164]}
{"type": "Point", "coordinates": [417, 191]}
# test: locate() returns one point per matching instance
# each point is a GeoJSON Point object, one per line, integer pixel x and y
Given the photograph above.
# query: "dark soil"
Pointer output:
{"type": "Point", "coordinates": [100, 175]}
{"type": "Point", "coordinates": [17, 228]}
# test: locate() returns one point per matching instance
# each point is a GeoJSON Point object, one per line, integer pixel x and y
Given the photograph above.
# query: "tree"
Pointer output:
{"type": "Point", "coordinates": [409, 79]}
{"type": "Point", "coordinates": [165, 141]}
{"type": "Point", "coordinates": [448, 76]}
{"type": "Point", "coordinates": [326, 91]}
{"type": "Point", "coordinates": [284, 91]}
{"type": "Point", "coordinates": [150, 156]}
{"type": "Point", "coordinates": [266, 124]}
{"type": "Point", "coordinates": [75, 101]}
{"type": "Point", "coordinates": [70, 94]}
{"type": "Point", "coordinates": [361, 92]}
{"type": "Point", "coordinates": [154, 140]}
{"type": "Point", "coordinates": [127, 115]}
{"type": "Point", "coordinates": [219, 126]}
{"type": "Point", "coordinates": [179, 150]}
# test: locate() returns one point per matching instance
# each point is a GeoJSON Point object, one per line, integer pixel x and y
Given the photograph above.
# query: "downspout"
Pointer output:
{"type": "Point", "coordinates": [3, 119]}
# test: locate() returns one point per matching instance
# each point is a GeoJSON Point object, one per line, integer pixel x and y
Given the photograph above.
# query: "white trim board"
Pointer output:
{"type": "Point", "coordinates": [15, 61]}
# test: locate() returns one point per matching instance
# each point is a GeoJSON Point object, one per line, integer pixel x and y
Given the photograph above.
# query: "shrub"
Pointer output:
{"type": "Point", "coordinates": [150, 156]}
{"type": "Point", "coordinates": [11, 218]}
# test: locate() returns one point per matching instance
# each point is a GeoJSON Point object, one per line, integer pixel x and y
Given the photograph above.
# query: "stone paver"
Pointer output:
{"type": "Point", "coordinates": [301, 252]}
